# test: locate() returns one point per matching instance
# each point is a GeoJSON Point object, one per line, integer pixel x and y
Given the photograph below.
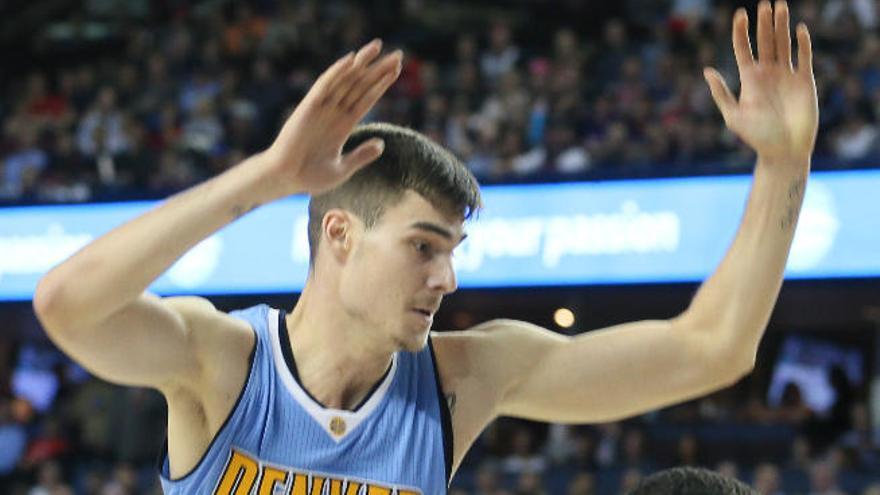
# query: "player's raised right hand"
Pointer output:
{"type": "Point", "coordinates": [307, 154]}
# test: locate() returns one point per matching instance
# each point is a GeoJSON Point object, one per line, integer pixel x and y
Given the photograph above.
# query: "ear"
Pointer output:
{"type": "Point", "coordinates": [337, 229]}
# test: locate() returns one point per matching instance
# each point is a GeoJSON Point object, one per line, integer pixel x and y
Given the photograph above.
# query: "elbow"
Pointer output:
{"type": "Point", "coordinates": [737, 370]}
{"type": "Point", "coordinates": [724, 352]}
{"type": "Point", "coordinates": [50, 306]}
{"type": "Point", "coordinates": [46, 305]}
{"type": "Point", "coordinates": [729, 366]}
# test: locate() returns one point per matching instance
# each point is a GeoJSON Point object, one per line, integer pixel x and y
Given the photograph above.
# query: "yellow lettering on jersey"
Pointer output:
{"type": "Point", "coordinates": [335, 486]}
{"type": "Point", "coordinates": [241, 474]}
{"type": "Point", "coordinates": [353, 488]}
{"type": "Point", "coordinates": [300, 484]}
{"type": "Point", "coordinates": [317, 485]}
{"type": "Point", "coordinates": [271, 477]}
{"type": "Point", "coordinates": [242, 469]}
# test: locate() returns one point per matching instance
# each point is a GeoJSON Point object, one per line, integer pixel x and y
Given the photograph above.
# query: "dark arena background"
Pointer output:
{"type": "Point", "coordinates": [576, 115]}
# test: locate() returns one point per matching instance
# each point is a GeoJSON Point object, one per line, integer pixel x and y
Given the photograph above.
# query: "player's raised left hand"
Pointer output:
{"type": "Point", "coordinates": [777, 110]}
{"type": "Point", "coordinates": [307, 154]}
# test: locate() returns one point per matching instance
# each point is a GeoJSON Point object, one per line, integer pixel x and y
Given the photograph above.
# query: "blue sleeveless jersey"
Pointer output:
{"type": "Point", "coordinates": [279, 440]}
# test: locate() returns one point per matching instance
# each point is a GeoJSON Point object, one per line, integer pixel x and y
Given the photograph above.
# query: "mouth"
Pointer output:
{"type": "Point", "coordinates": [424, 313]}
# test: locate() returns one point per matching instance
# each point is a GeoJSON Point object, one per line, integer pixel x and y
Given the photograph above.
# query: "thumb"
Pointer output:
{"type": "Point", "coordinates": [363, 155]}
{"type": "Point", "coordinates": [724, 99]}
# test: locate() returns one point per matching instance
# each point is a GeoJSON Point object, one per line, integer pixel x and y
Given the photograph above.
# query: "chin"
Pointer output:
{"type": "Point", "coordinates": [413, 342]}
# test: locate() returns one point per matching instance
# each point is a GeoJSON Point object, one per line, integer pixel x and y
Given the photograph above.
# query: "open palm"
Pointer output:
{"type": "Point", "coordinates": [777, 111]}
{"type": "Point", "coordinates": [308, 150]}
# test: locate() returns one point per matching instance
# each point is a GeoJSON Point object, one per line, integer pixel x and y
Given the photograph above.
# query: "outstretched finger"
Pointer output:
{"type": "Point", "coordinates": [805, 50]}
{"type": "Point", "coordinates": [783, 34]}
{"type": "Point", "coordinates": [368, 53]}
{"type": "Point", "coordinates": [766, 43]}
{"type": "Point", "coordinates": [722, 95]}
{"type": "Point", "coordinates": [389, 64]}
{"type": "Point", "coordinates": [362, 106]}
{"type": "Point", "coordinates": [742, 48]}
{"type": "Point", "coordinates": [326, 81]}
{"type": "Point", "coordinates": [363, 155]}
{"type": "Point", "coordinates": [362, 60]}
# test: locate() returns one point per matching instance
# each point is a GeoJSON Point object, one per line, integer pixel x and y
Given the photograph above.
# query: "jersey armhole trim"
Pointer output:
{"type": "Point", "coordinates": [164, 461]}
{"type": "Point", "coordinates": [445, 415]}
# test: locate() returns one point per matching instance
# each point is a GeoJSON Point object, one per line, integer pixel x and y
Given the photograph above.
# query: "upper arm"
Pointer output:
{"type": "Point", "coordinates": [597, 376]}
{"type": "Point", "coordinates": [153, 342]}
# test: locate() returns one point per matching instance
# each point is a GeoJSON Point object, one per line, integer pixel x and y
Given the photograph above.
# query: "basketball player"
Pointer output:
{"type": "Point", "coordinates": [350, 393]}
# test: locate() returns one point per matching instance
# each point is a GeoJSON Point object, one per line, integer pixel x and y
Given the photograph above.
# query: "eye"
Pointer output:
{"type": "Point", "coordinates": [422, 248]}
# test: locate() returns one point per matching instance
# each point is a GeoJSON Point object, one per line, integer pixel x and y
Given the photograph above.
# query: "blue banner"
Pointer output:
{"type": "Point", "coordinates": [613, 232]}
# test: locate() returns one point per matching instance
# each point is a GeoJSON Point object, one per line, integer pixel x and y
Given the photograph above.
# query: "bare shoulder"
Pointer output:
{"type": "Point", "coordinates": [211, 329]}
{"type": "Point", "coordinates": [490, 346]}
{"type": "Point", "coordinates": [197, 409]}
{"type": "Point", "coordinates": [214, 337]}
{"type": "Point", "coordinates": [477, 368]}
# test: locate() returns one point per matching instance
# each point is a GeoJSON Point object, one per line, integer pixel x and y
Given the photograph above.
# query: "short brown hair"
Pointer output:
{"type": "Point", "coordinates": [411, 161]}
{"type": "Point", "coordinates": [690, 481]}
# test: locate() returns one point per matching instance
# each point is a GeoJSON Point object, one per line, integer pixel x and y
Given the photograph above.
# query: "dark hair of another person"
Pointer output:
{"type": "Point", "coordinates": [690, 481]}
{"type": "Point", "coordinates": [410, 161]}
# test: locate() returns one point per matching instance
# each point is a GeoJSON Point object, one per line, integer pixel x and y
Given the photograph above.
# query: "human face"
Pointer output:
{"type": "Point", "coordinates": [399, 271]}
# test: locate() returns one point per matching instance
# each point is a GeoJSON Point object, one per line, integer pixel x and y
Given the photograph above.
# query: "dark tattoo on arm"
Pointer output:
{"type": "Point", "coordinates": [241, 210]}
{"type": "Point", "coordinates": [450, 401]}
{"type": "Point", "coordinates": [795, 196]}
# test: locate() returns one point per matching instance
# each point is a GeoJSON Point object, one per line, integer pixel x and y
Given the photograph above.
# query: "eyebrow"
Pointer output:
{"type": "Point", "coordinates": [442, 232]}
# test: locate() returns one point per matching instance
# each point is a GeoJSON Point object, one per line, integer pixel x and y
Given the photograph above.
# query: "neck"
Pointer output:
{"type": "Point", "coordinates": [338, 360]}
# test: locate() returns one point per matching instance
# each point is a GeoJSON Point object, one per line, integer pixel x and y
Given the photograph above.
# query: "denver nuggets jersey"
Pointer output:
{"type": "Point", "coordinates": [279, 440]}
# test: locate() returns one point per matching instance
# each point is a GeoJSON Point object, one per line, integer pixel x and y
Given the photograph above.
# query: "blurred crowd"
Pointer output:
{"type": "Point", "coordinates": [65, 432]}
{"type": "Point", "coordinates": [140, 99]}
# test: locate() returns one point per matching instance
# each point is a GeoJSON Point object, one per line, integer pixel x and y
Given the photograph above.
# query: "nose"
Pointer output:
{"type": "Point", "coordinates": [442, 277]}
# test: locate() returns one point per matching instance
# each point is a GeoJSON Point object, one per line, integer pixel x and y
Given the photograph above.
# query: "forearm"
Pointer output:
{"type": "Point", "coordinates": [736, 301]}
{"type": "Point", "coordinates": [116, 268]}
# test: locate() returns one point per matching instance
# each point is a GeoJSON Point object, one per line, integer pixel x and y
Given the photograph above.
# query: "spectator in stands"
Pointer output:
{"type": "Point", "coordinates": [50, 480]}
{"type": "Point", "coordinates": [862, 440]}
{"type": "Point", "coordinates": [791, 410]}
{"type": "Point", "coordinates": [687, 451]}
{"type": "Point", "coordinates": [630, 479]}
{"type": "Point", "coordinates": [728, 468]}
{"type": "Point", "coordinates": [633, 450]}
{"type": "Point", "coordinates": [13, 441]}
{"type": "Point", "coordinates": [501, 54]}
{"type": "Point", "coordinates": [93, 410]}
{"type": "Point", "coordinates": [582, 483]}
{"type": "Point", "coordinates": [608, 444]}
{"type": "Point", "coordinates": [530, 483]}
{"type": "Point", "coordinates": [524, 457]}
{"type": "Point", "coordinates": [46, 445]}
{"type": "Point", "coordinates": [560, 445]}
{"type": "Point", "coordinates": [800, 454]}
{"type": "Point", "coordinates": [486, 480]}
{"type": "Point", "coordinates": [767, 480]}
{"type": "Point", "coordinates": [823, 479]}
{"type": "Point", "coordinates": [70, 176]}
{"type": "Point", "coordinates": [102, 129]}
{"type": "Point", "coordinates": [20, 170]}
{"type": "Point", "coordinates": [872, 489]}
{"type": "Point", "coordinates": [857, 137]}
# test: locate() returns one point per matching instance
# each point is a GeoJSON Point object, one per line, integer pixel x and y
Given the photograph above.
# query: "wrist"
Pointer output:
{"type": "Point", "coordinates": [784, 164]}
{"type": "Point", "coordinates": [266, 173]}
